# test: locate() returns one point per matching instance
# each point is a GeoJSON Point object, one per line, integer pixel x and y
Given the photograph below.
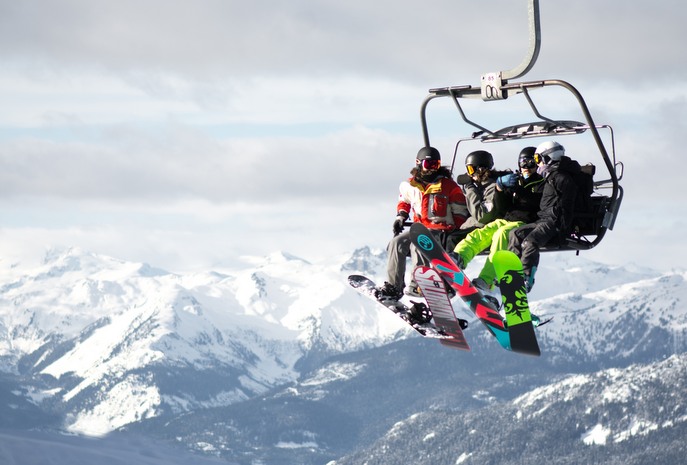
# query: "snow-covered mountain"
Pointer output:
{"type": "Point", "coordinates": [114, 342]}
{"type": "Point", "coordinates": [91, 344]}
{"type": "Point", "coordinates": [648, 316]}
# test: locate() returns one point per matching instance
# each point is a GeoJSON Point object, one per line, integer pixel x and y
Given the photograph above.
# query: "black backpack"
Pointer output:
{"type": "Point", "coordinates": [584, 221]}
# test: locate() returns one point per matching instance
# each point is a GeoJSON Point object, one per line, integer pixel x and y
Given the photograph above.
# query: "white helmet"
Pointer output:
{"type": "Point", "coordinates": [549, 150]}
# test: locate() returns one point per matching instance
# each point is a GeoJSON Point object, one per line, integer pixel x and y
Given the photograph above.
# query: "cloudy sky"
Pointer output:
{"type": "Point", "coordinates": [188, 134]}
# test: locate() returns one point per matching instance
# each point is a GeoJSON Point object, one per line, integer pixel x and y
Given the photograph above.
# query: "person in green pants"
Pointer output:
{"type": "Point", "coordinates": [524, 188]}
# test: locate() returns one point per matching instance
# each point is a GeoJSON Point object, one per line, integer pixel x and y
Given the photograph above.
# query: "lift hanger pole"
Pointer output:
{"type": "Point", "coordinates": [492, 83]}
{"type": "Point", "coordinates": [534, 45]}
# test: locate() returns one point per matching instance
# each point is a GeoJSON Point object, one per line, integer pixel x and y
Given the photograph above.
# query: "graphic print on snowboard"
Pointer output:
{"type": "Point", "coordinates": [434, 291]}
{"type": "Point", "coordinates": [484, 309]}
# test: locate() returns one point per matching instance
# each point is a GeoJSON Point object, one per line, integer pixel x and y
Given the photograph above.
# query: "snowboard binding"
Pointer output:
{"type": "Point", "coordinates": [419, 314]}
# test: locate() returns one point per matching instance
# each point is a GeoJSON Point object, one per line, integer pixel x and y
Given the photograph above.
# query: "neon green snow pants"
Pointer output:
{"type": "Point", "coordinates": [494, 234]}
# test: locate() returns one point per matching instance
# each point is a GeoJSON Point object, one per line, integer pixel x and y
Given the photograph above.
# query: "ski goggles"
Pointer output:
{"type": "Point", "coordinates": [472, 169]}
{"type": "Point", "coordinates": [539, 158]}
{"type": "Point", "coordinates": [528, 163]}
{"type": "Point", "coordinates": [429, 164]}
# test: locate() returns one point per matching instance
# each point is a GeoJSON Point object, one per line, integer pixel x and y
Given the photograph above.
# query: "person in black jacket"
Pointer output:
{"type": "Point", "coordinates": [556, 209]}
{"type": "Point", "coordinates": [523, 191]}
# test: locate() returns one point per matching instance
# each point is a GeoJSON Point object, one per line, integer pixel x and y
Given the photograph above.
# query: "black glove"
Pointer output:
{"type": "Point", "coordinates": [464, 179]}
{"type": "Point", "coordinates": [399, 222]}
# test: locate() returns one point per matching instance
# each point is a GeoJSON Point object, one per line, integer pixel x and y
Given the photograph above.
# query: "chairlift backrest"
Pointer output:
{"type": "Point", "coordinates": [605, 205]}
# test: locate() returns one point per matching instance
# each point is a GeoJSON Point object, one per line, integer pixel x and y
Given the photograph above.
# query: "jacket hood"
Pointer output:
{"type": "Point", "coordinates": [565, 164]}
{"type": "Point", "coordinates": [568, 165]}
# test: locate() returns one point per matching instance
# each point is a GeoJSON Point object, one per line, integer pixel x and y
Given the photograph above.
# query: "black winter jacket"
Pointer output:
{"type": "Point", "coordinates": [558, 199]}
{"type": "Point", "coordinates": [526, 199]}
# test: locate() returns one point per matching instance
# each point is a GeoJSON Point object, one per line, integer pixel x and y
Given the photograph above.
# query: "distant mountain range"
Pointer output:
{"type": "Point", "coordinates": [281, 362]}
{"type": "Point", "coordinates": [634, 415]}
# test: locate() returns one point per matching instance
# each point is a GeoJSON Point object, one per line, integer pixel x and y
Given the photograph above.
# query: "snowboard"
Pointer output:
{"type": "Point", "coordinates": [434, 291]}
{"type": "Point", "coordinates": [514, 296]}
{"type": "Point", "coordinates": [367, 287]}
{"type": "Point", "coordinates": [483, 308]}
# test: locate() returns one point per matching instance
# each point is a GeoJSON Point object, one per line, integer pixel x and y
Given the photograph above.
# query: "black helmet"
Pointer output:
{"type": "Point", "coordinates": [428, 153]}
{"type": "Point", "coordinates": [479, 159]}
{"type": "Point", "coordinates": [526, 158]}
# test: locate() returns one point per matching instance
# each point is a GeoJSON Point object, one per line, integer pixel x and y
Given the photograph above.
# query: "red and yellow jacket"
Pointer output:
{"type": "Point", "coordinates": [437, 205]}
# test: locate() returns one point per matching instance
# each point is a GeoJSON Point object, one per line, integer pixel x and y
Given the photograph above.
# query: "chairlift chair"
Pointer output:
{"type": "Point", "coordinates": [608, 193]}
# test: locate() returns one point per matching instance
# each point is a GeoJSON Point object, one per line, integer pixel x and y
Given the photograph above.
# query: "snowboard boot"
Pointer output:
{"type": "Point", "coordinates": [485, 289]}
{"type": "Point", "coordinates": [387, 292]}
{"type": "Point", "coordinates": [536, 321]}
{"type": "Point", "coordinates": [529, 278]}
{"type": "Point", "coordinates": [492, 300]}
{"type": "Point", "coordinates": [481, 284]}
{"type": "Point", "coordinates": [413, 290]}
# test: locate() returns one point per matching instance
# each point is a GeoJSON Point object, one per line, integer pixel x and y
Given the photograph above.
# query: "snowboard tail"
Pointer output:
{"type": "Point", "coordinates": [434, 291]}
{"type": "Point", "coordinates": [514, 295]}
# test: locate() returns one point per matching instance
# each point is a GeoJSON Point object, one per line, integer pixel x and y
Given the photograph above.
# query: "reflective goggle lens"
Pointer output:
{"type": "Point", "coordinates": [429, 164]}
{"type": "Point", "coordinates": [471, 169]}
{"type": "Point", "coordinates": [529, 164]}
{"type": "Point", "coordinates": [537, 158]}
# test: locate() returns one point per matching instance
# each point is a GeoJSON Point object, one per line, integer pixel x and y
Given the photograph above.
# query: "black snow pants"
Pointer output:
{"type": "Point", "coordinates": [526, 240]}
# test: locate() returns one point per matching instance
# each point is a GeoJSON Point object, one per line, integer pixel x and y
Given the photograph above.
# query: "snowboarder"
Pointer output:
{"type": "Point", "coordinates": [436, 201]}
{"type": "Point", "coordinates": [555, 210]}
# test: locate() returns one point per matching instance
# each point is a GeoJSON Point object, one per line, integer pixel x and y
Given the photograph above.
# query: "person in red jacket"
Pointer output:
{"type": "Point", "coordinates": [434, 199]}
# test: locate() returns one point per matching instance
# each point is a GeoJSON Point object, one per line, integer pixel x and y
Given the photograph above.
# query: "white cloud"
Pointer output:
{"type": "Point", "coordinates": [161, 129]}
